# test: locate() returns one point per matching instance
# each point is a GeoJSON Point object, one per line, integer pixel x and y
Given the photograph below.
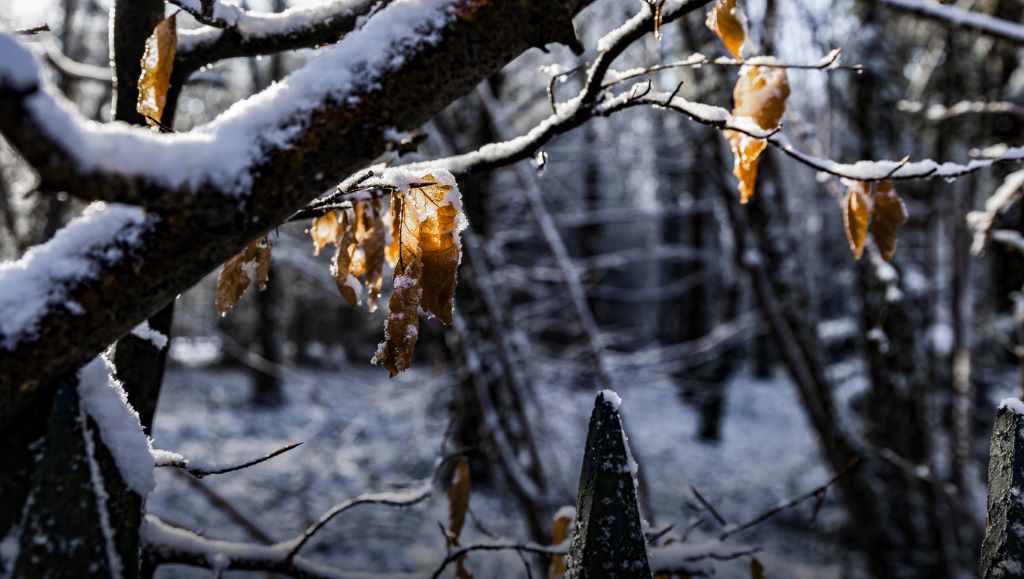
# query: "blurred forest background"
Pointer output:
{"type": "Point", "coordinates": [755, 357]}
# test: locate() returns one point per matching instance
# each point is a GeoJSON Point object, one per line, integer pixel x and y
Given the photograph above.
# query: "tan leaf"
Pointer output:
{"type": "Point", "coordinates": [390, 220]}
{"type": "Point", "coordinates": [401, 328]}
{"type": "Point", "coordinates": [157, 61]}
{"type": "Point", "coordinates": [756, 569]}
{"type": "Point", "coordinates": [727, 21]}
{"type": "Point", "coordinates": [889, 214]}
{"type": "Point", "coordinates": [346, 283]}
{"type": "Point", "coordinates": [458, 499]}
{"type": "Point", "coordinates": [856, 216]}
{"type": "Point", "coordinates": [439, 241]}
{"type": "Point", "coordinates": [559, 533]}
{"type": "Point", "coordinates": [325, 229]}
{"type": "Point", "coordinates": [373, 246]}
{"type": "Point", "coordinates": [233, 279]}
{"type": "Point", "coordinates": [760, 94]}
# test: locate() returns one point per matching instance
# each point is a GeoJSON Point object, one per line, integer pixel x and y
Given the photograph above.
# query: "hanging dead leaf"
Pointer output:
{"type": "Point", "coordinates": [439, 241]}
{"type": "Point", "coordinates": [401, 328]}
{"type": "Point", "coordinates": [157, 62]}
{"type": "Point", "coordinates": [756, 569]}
{"type": "Point", "coordinates": [727, 21]}
{"type": "Point", "coordinates": [559, 534]}
{"type": "Point", "coordinates": [348, 285]}
{"type": "Point", "coordinates": [889, 214]}
{"type": "Point", "coordinates": [234, 279]}
{"type": "Point", "coordinates": [393, 233]}
{"type": "Point", "coordinates": [658, 16]}
{"type": "Point", "coordinates": [856, 216]}
{"type": "Point", "coordinates": [325, 229]}
{"type": "Point", "coordinates": [760, 94]}
{"type": "Point", "coordinates": [373, 245]}
{"type": "Point", "coordinates": [458, 499]}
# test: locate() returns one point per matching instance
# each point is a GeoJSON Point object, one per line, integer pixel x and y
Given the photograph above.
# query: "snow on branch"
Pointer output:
{"type": "Point", "coordinates": [166, 544]}
{"type": "Point", "coordinates": [200, 468]}
{"type": "Point", "coordinates": [953, 15]}
{"type": "Point", "coordinates": [249, 169]}
{"type": "Point", "coordinates": [1011, 191]}
{"type": "Point", "coordinates": [234, 32]}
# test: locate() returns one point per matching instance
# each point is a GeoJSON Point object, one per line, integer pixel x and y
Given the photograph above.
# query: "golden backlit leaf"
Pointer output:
{"type": "Point", "coordinates": [157, 61]}
{"type": "Point", "coordinates": [325, 229]}
{"type": "Point", "coordinates": [458, 499]}
{"type": "Point", "coordinates": [343, 259]}
{"type": "Point", "coordinates": [401, 328]}
{"type": "Point", "coordinates": [390, 219]}
{"type": "Point", "coordinates": [559, 533]}
{"type": "Point", "coordinates": [727, 21]}
{"type": "Point", "coordinates": [373, 244]}
{"type": "Point", "coordinates": [760, 94]}
{"type": "Point", "coordinates": [438, 238]}
{"type": "Point", "coordinates": [889, 214]}
{"type": "Point", "coordinates": [234, 279]}
{"type": "Point", "coordinates": [856, 216]}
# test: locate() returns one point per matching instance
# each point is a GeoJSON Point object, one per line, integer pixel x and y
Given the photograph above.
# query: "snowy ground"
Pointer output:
{"type": "Point", "coordinates": [363, 432]}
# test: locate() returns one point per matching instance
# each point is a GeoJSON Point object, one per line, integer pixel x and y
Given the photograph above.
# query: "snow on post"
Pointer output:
{"type": "Point", "coordinates": [1002, 552]}
{"type": "Point", "coordinates": [608, 540]}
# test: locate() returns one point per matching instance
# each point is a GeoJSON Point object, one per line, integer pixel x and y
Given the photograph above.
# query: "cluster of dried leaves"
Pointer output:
{"type": "Point", "coordinates": [877, 205]}
{"type": "Point", "coordinates": [760, 94]}
{"type": "Point", "coordinates": [418, 237]}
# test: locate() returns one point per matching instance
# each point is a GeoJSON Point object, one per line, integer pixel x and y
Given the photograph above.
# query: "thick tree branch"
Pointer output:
{"type": "Point", "coordinates": [363, 89]}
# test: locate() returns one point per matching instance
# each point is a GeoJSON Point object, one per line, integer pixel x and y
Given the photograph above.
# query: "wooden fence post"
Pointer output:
{"type": "Point", "coordinates": [1002, 552]}
{"type": "Point", "coordinates": [609, 540]}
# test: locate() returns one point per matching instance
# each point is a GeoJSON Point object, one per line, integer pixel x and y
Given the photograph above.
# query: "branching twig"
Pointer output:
{"type": "Point", "coordinates": [457, 554]}
{"type": "Point", "coordinates": [816, 492]}
{"type": "Point", "coordinates": [181, 462]}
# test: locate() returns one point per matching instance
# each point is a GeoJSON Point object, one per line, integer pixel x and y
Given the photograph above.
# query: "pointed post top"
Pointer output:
{"type": "Point", "coordinates": [609, 539]}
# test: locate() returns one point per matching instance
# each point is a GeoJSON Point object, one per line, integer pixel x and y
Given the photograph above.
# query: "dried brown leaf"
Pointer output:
{"type": "Point", "coordinates": [756, 569]}
{"type": "Point", "coordinates": [458, 499]}
{"type": "Point", "coordinates": [401, 328]}
{"type": "Point", "coordinates": [343, 259]}
{"type": "Point", "coordinates": [889, 215]}
{"type": "Point", "coordinates": [727, 21]}
{"type": "Point", "coordinates": [234, 279]}
{"type": "Point", "coordinates": [559, 533]}
{"type": "Point", "coordinates": [856, 216]}
{"type": "Point", "coordinates": [393, 232]}
{"type": "Point", "coordinates": [439, 242]}
{"type": "Point", "coordinates": [760, 94]}
{"type": "Point", "coordinates": [157, 62]}
{"type": "Point", "coordinates": [325, 229]}
{"type": "Point", "coordinates": [373, 246]}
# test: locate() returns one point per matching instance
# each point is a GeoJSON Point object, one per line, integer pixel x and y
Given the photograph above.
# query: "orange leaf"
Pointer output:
{"type": "Point", "coordinates": [760, 94]}
{"type": "Point", "coordinates": [401, 328]}
{"type": "Point", "coordinates": [559, 533]}
{"type": "Point", "coordinates": [346, 283]}
{"type": "Point", "coordinates": [325, 229]}
{"type": "Point", "coordinates": [856, 216]}
{"type": "Point", "coordinates": [439, 241]}
{"type": "Point", "coordinates": [157, 62]}
{"type": "Point", "coordinates": [889, 214]}
{"type": "Point", "coordinates": [390, 221]}
{"type": "Point", "coordinates": [458, 499]}
{"type": "Point", "coordinates": [372, 244]}
{"type": "Point", "coordinates": [727, 21]}
{"type": "Point", "coordinates": [234, 280]}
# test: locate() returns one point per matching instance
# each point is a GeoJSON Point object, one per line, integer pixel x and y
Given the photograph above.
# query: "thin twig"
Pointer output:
{"type": "Point", "coordinates": [199, 472]}
{"type": "Point", "coordinates": [707, 505]}
{"type": "Point", "coordinates": [790, 503]}
{"type": "Point", "coordinates": [33, 31]}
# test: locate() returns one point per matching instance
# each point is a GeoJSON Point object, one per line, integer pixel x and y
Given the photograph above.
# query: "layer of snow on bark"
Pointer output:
{"type": "Point", "coordinates": [144, 331]}
{"type": "Point", "coordinates": [104, 399]}
{"type": "Point", "coordinates": [224, 152]}
{"type": "Point", "coordinates": [99, 489]}
{"type": "Point", "coordinates": [959, 16]}
{"type": "Point", "coordinates": [1013, 405]}
{"type": "Point", "coordinates": [611, 397]}
{"type": "Point", "coordinates": [36, 284]}
{"type": "Point", "coordinates": [252, 24]}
